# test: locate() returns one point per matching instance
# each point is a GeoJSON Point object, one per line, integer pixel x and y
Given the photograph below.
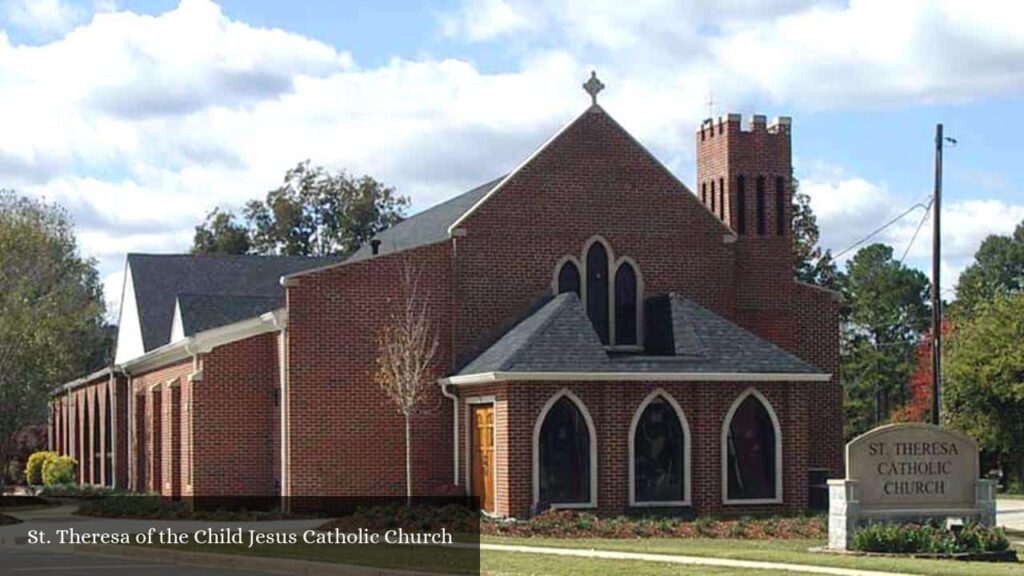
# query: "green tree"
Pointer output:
{"type": "Point", "coordinates": [811, 263]}
{"type": "Point", "coordinates": [51, 311]}
{"type": "Point", "coordinates": [313, 213]}
{"type": "Point", "coordinates": [998, 269]}
{"type": "Point", "coordinates": [886, 311]}
{"type": "Point", "coordinates": [983, 379]}
{"type": "Point", "coordinates": [221, 234]}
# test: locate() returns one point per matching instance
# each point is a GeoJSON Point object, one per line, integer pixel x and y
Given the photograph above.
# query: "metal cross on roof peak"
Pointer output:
{"type": "Point", "coordinates": [593, 86]}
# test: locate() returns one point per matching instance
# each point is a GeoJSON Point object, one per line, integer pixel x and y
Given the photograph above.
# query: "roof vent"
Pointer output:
{"type": "Point", "coordinates": [375, 246]}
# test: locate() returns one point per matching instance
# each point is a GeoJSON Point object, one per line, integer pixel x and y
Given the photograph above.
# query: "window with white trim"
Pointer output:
{"type": "Point", "coordinates": [752, 451]}
{"type": "Point", "coordinates": [659, 453]}
{"type": "Point", "coordinates": [597, 290]}
{"type": "Point", "coordinates": [610, 289]}
{"type": "Point", "coordinates": [564, 456]}
{"type": "Point", "coordinates": [625, 305]}
{"type": "Point", "coordinates": [569, 278]}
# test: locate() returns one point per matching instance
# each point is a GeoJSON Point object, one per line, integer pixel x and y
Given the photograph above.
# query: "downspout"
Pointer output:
{"type": "Point", "coordinates": [455, 428]}
{"type": "Point", "coordinates": [454, 311]}
{"type": "Point", "coordinates": [282, 361]}
{"type": "Point", "coordinates": [193, 379]}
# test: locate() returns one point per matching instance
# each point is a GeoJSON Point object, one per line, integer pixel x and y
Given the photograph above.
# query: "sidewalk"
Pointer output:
{"type": "Point", "coordinates": [686, 560]}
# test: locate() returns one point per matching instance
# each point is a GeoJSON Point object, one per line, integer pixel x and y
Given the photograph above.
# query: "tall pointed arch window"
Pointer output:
{"type": "Point", "coordinates": [597, 289]}
{"type": "Point", "coordinates": [780, 206]}
{"type": "Point", "coordinates": [565, 456]}
{"type": "Point", "coordinates": [625, 305]}
{"type": "Point", "coordinates": [761, 225]}
{"type": "Point", "coordinates": [659, 453]}
{"type": "Point", "coordinates": [569, 278]}
{"type": "Point", "coordinates": [752, 451]}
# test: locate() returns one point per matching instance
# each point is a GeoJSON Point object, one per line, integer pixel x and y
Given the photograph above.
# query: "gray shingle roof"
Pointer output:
{"type": "Point", "coordinates": [558, 337]}
{"type": "Point", "coordinates": [204, 311]}
{"type": "Point", "coordinates": [426, 227]}
{"type": "Point", "coordinates": [159, 279]}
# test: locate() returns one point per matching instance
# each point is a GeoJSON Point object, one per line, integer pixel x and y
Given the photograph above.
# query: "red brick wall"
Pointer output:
{"type": "Point", "coordinates": [346, 437]}
{"type": "Point", "coordinates": [817, 316]}
{"type": "Point", "coordinates": [235, 418]}
{"type": "Point", "coordinates": [592, 179]}
{"type": "Point", "coordinates": [160, 439]}
{"type": "Point", "coordinates": [612, 405]}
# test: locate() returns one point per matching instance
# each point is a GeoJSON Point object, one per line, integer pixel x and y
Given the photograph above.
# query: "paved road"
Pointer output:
{"type": "Point", "coordinates": [1010, 513]}
{"type": "Point", "coordinates": [23, 562]}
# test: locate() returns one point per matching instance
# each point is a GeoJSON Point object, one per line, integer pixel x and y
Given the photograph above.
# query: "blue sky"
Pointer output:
{"type": "Point", "coordinates": [142, 116]}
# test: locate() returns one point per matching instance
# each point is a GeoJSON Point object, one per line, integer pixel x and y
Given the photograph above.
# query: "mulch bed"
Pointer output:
{"type": "Point", "coordinates": [572, 524]}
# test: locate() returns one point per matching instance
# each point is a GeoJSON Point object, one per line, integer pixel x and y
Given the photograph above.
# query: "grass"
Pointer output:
{"type": "Point", "coordinates": [788, 551]}
{"type": "Point", "coordinates": [512, 563]}
{"type": "Point", "coordinates": [1009, 496]}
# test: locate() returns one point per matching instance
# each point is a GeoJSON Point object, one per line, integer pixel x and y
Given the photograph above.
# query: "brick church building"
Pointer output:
{"type": "Point", "coordinates": [608, 340]}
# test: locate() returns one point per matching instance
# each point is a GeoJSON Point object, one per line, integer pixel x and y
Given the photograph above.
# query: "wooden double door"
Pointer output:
{"type": "Point", "coordinates": [482, 470]}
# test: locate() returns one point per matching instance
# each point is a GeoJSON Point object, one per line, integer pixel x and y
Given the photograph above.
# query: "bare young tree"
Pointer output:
{"type": "Point", "coordinates": [406, 348]}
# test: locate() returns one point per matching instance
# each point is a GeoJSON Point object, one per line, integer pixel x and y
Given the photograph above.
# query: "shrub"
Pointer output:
{"type": "Point", "coordinates": [1015, 486]}
{"type": "Point", "coordinates": [928, 539]}
{"type": "Point", "coordinates": [34, 467]}
{"type": "Point", "coordinates": [59, 470]}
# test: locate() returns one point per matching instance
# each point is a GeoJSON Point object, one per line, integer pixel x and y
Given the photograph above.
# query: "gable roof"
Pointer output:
{"type": "Point", "coordinates": [558, 337]}
{"type": "Point", "coordinates": [439, 222]}
{"type": "Point", "coordinates": [426, 227]}
{"type": "Point", "coordinates": [198, 312]}
{"type": "Point", "coordinates": [253, 282]}
{"type": "Point", "coordinates": [593, 109]}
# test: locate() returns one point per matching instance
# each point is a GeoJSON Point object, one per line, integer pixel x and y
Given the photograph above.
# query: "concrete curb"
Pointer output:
{"type": "Point", "coordinates": [282, 566]}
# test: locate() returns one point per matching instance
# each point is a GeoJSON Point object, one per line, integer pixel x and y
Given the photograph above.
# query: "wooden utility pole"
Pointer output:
{"type": "Point", "coordinates": [936, 270]}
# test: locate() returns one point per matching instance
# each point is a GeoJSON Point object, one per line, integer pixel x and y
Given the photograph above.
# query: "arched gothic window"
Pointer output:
{"type": "Point", "coordinates": [597, 289]}
{"type": "Point", "coordinates": [659, 453]}
{"type": "Point", "coordinates": [761, 226]}
{"type": "Point", "coordinates": [780, 206]}
{"type": "Point", "coordinates": [564, 455]}
{"type": "Point", "coordinates": [569, 278]}
{"type": "Point", "coordinates": [625, 305]}
{"type": "Point", "coordinates": [741, 204]}
{"type": "Point", "coordinates": [752, 451]}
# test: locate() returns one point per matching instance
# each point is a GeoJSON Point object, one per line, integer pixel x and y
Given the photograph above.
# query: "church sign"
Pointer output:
{"type": "Point", "coordinates": [913, 466]}
{"type": "Point", "coordinates": [908, 472]}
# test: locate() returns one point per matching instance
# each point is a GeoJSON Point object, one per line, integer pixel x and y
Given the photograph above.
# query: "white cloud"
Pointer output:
{"type": "Point", "coordinates": [42, 17]}
{"type": "Point", "coordinates": [141, 124]}
{"type": "Point", "coordinates": [850, 209]}
{"type": "Point", "coordinates": [863, 52]}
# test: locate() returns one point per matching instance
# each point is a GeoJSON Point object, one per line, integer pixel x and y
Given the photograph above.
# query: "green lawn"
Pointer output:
{"type": "Point", "coordinates": [512, 563]}
{"type": "Point", "coordinates": [788, 551]}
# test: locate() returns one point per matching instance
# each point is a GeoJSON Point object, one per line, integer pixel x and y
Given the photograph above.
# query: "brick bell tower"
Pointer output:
{"type": "Point", "coordinates": [744, 177]}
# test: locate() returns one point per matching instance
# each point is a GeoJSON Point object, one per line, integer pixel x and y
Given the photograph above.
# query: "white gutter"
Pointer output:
{"type": "Point", "coordinates": [455, 427]}
{"type": "Point", "coordinates": [489, 377]}
{"type": "Point", "coordinates": [206, 341]}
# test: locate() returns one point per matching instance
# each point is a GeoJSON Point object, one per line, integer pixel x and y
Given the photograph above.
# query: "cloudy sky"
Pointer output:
{"type": "Point", "coordinates": [142, 116]}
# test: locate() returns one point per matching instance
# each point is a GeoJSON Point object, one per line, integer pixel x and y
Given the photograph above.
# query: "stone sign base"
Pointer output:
{"type": "Point", "coordinates": [845, 513]}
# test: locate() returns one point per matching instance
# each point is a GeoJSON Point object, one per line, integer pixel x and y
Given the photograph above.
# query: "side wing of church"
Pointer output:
{"type": "Point", "coordinates": [608, 340]}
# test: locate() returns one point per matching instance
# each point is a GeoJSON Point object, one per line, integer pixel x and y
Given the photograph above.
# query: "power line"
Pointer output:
{"type": "Point", "coordinates": [879, 229]}
{"type": "Point", "coordinates": [924, 217]}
